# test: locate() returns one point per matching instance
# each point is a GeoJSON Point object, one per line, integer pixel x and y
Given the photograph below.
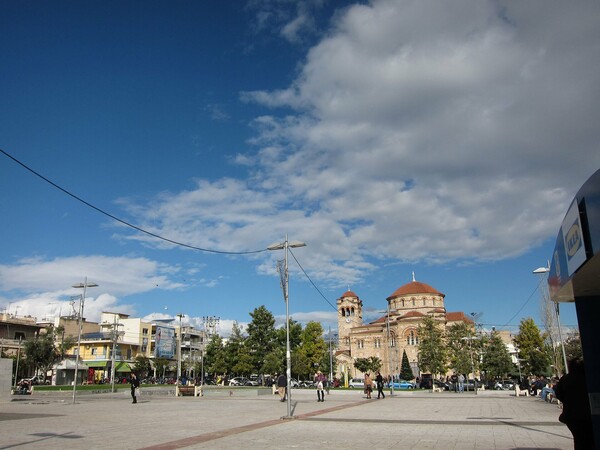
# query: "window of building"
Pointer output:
{"type": "Point", "coordinates": [145, 331]}
{"type": "Point", "coordinates": [377, 342]}
{"type": "Point", "coordinates": [412, 338]}
{"type": "Point", "coordinates": [94, 351]}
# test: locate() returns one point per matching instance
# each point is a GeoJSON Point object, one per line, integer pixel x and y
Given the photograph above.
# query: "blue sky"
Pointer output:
{"type": "Point", "coordinates": [392, 137]}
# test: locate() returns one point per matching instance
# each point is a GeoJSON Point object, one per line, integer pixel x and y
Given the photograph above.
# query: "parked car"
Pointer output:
{"type": "Point", "coordinates": [356, 383]}
{"type": "Point", "coordinates": [251, 383]}
{"type": "Point", "coordinates": [402, 384]}
{"type": "Point", "coordinates": [237, 381]}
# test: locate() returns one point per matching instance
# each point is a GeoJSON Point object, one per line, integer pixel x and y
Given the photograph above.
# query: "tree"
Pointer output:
{"type": "Point", "coordinates": [214, 357]}
{"type": "Point", "coordinates": [274, 362]}
{"type": "Point", "coordinates": [261, 335]}
{"type": "Point", "coordinates": [496, 359]}
{"type": "Point", "coordinates": [160, 366]}
{"type": "Point", "coordinates": [460, 348]}
{"type": "Point", "coordinates": [234, 348]}
{"type": "Point", "coordinates": [368, 365]}
{"type": "Point", "coordinates": [313, 345]}
{"type": "Point", "coordinates": [533, 351]}
{"type": "Point", "coordinates": [142, 365]}
{"type": "Point", "coordinates": [406, 372]}
{"type": "Point", "coordinates": [41, 352]}
{"type": "Point", "coordinates": [572, 346]}
{"type": "Point", "coordinates": [432, 348]}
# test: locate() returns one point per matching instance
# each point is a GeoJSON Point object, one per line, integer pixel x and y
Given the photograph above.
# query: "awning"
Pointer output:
{"type": "Point", "coordinates": [96, 364]}
{"type": "Point", "coordinates": [122, 367]}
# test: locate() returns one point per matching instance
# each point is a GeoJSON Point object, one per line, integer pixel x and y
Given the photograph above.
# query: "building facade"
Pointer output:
{"type": "Point", "coordinates": [394, 333]}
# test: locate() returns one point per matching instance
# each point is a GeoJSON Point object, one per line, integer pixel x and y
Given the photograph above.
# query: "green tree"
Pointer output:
{"type": "Point", "coordinates": [533, 351]}
{"type": "Point", "coordinates": [274, 362]}
{"type": "Point", "coordinates": [214, 356]}
{"type": "Point", "coordinates": [496, 360]}
{"type": "Point", "coordinates": [142, 365]}
{"type": "Point", "coordinates": [234, 348]}
{"type": "Point", "coordinates": [460, 339]}
{"type": "Point", "coordinates": [368, 365]}
{"type": "Point", "coordinates": [40, 352]}
{"type": "Point", "coordinates": [432, 348]}
{"type": "Point", "coordinates": [313, 345]}
{"type": "Point", "coordinates": [261, 335]}
{"type": "Point", "coordinates": [406, 372]}
{"type": "Point", "coordinates": [161, 365]}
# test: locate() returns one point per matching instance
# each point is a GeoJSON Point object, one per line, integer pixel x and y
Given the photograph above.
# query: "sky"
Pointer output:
{"type": "Point", "coordinates": [440, 139]}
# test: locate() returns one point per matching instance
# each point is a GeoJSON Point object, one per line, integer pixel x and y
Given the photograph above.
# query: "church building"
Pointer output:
{"type": "Point", "coordinates": [393, 333]}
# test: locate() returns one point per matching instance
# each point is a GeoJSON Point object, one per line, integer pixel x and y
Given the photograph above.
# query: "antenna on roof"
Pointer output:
{"type": "Point", "coordinates": [414, 276]}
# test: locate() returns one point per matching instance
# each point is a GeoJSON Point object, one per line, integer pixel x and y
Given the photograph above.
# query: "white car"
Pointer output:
{"type": "Point", "coordinates": [356, 383]}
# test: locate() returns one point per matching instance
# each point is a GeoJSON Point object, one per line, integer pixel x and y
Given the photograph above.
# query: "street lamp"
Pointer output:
{"type": "Point", "coordinates": [83, 286]}
{"type": "Point", "coordinates": [180, 315]}
{"type": "Point", "coordinates": [286, 245]}
{"type": "Point", "coordinates": [545, 295]}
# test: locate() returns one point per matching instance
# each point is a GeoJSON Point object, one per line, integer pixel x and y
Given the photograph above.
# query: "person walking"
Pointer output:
{"type": "Point", "coordinates": [379, 381]}
{"type": "Point", "coordinates": [461, 382]}
{"type": "Point", "coordinates": [135, 384]}
{"type": "Point", "coordinates": [368, 385]}
{"type": "Point", "coordinates": [572, 390]}
{"type": "Point", "coordinates": [281, 386]}
{"type": "Point", "coordinates": [320, 380]}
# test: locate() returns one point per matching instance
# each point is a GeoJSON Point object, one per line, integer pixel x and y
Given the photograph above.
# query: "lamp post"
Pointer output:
{"type": "Point", "coordinates": [286, 245]}
{"type": "Point", "coordinates": [180, 315]}
{"type": "Point", "coordinates": [545, 295]}
{"type": "Point", "coordinates": [390, 361]}
{"type": "Point", "coordinates": [83, 286]}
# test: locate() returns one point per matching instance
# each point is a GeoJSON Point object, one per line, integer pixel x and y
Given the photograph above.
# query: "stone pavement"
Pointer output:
{"type": "Point", "coordinates": [408, 420]}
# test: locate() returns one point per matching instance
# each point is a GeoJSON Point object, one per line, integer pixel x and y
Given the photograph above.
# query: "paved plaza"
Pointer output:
{"type": "Point", "coordinates": [411, 420]}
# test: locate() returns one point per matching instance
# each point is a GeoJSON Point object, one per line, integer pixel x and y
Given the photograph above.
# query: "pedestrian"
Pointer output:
{"type": "Point", "coordinates": [368, 385]}
{"type": "Point", "coordinates": [379, 381]}
{"type": "Point", "coordinates": [572, 390]}
{"type": "Point", "coordinates": [281, 386]}
{"type": "Point", "coordinates": [319, 382]}
{"type": "Point", "coordinates": [135, 384]}
{"type": "Point", "coordinates": [461, 382]}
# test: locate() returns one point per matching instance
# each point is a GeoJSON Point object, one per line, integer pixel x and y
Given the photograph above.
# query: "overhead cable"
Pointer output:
{"type": "Point", "coordinates": [124, 222]}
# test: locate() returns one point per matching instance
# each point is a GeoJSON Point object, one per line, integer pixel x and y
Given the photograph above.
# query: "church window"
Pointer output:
{"type": "Point", "coordinates": [348, 340]}
{"type": "Point", "coordinates": [414, 301]}
{"type": "Point", "coordinates": [377, 342]}
{"type": "Point", "coordinates": [412, 338]}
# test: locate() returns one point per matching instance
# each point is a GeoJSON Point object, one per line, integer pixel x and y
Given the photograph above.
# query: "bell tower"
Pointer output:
{"type": "Point", "coordinates": [349, 316]}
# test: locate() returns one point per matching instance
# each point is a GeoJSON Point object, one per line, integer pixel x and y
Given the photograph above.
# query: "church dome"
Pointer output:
{"type": "Point", "coordinates": [349, 294]}
{"type": "Point", "coordinates": [414, 288]}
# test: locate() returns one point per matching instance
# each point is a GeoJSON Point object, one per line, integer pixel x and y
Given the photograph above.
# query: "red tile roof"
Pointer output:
{"type": "Point", "coordinates": [457, 317]}
{"type": "Point", "coordinates": [349, 294]}
{"type": "Point", "coordinates": [414, 287]}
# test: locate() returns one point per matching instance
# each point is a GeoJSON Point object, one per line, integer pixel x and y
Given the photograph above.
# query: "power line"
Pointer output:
{"type": "Point", "coordinates": [311, 281]}
{"type": "Point", "coordinates": [524, 304]}
{"type": "Point", "coordinates": [124, 222]}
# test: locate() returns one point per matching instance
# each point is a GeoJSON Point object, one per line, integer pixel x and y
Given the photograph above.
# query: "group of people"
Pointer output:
{"type": "Point", "coordinates": [377, 383]}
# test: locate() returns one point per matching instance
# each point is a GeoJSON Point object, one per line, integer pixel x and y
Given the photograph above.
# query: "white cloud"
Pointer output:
{"type": "Point", "coordinates": [119, 276]}
{"type": "Point", "coordinates": [421, 132]}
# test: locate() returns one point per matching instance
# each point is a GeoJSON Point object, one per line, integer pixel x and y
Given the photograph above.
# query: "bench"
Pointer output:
{"type": "Point", "coordinates": [183, 391]}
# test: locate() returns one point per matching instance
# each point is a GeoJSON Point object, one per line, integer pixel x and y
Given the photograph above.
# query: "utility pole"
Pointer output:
{"type": "Point", "coordinates": [115, 336]}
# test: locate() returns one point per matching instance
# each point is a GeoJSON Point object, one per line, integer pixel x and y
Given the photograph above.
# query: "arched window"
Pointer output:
{"type": "Point", "coordinates": [412, 338]}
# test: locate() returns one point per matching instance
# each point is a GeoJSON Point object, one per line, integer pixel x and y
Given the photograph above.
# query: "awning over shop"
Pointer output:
{"type": "Point", "coordinates": [96, 364]}
{"type": "Point", "coordinates": [122, 367]}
